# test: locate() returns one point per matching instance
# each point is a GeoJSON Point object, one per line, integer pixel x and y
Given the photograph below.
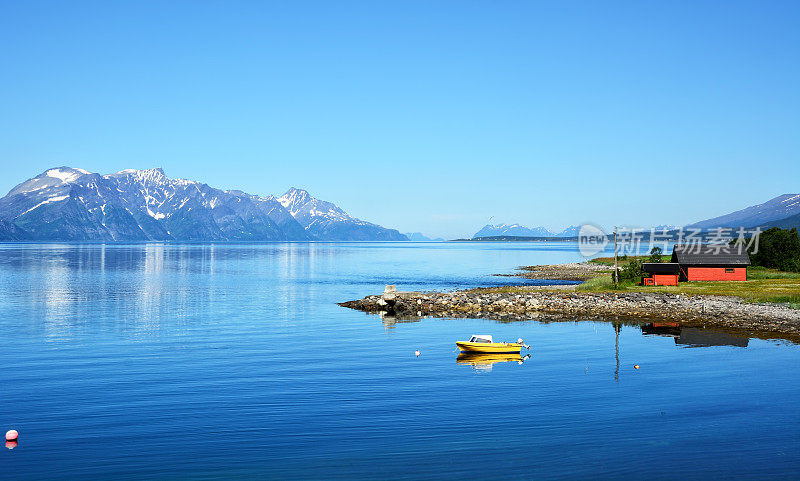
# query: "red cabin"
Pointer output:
{"type": "Point", "coordinates": [661, 274]}
{"type": "Point", "coordinates": [711, 262]}
{"type": "Point", "coordinates": [698, 262]}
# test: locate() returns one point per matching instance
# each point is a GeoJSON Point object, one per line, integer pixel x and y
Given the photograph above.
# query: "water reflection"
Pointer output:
{"type": "Point", "coordinates": [390, 322]}
{"type": "Point", "coordinates": [692, 336]}
{"type": "Point", "coordinates": [147, 288]}
{"type": "Point", "coordinates": [143, 342]}
{"type": "Point", "coordinates": [483, 362]}
{"type": "Point", "coordinates": [684, 336]}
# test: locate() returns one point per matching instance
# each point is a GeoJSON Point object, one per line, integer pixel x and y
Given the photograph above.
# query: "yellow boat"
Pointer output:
{"type": "Point", "coordinates": [484, 343]}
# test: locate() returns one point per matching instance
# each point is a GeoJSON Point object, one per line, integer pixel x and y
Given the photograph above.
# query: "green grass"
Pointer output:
{"type": "Point", "coordinates": [775, 289]}
{"type": "Point", "coordinates": [603, 283]}
{"type": "Point", "coordinates": [758, 272]}
{"type": "Point", "coordinates": [623, 260]}
{"type": "Point", "coordinates": [762, 285]}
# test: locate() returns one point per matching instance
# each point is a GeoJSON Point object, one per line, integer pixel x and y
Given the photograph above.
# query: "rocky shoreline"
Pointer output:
{"type": "Point", "coordinates": [565, 272]}
{"type": "Point", "coordinates": [521, 303]}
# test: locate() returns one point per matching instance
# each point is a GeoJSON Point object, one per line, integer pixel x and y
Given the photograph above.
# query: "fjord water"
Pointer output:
{"type": "Point", "coordinates": [180, 361]}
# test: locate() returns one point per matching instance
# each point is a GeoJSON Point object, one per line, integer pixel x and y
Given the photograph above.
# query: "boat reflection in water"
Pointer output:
{"type": "Point", "coordinates": [483, 362]}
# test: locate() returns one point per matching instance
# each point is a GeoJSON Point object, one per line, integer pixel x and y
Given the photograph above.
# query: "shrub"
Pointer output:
{"type": "Point", "coordinates": [632, 272]}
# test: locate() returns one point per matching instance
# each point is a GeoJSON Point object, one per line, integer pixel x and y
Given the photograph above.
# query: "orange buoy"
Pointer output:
{"type": "Point", "coordinates": [636, 366]}
{"type": "Point", "coordinates": [12, 435]}
{"type": "Point", "coordinates": [416, 353]}
{"type": "Point", "coordinates": [11, 444]}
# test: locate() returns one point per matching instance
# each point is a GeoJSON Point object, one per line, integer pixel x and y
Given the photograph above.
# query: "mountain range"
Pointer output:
{"type": "Point", "coordinates": [782, 211]}
{"type": "Point", "coordinates": [518, 230]}
{"type": "Point", "coordinates": [769, 214]}
{"type": "Point", "coordinates": [65, 203]}
{"type": "Point", "coordinates": [72, 204]}
{"type": "Point", "coordinates": [420, 237]}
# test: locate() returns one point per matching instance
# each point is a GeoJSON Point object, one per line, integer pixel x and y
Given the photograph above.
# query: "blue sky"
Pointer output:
{"type": "Point", "coordinates": [423, 116]}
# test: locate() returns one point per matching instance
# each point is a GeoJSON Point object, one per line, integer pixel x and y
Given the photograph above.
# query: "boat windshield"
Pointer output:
{"type": "Point", "coordinates": [480, 339]}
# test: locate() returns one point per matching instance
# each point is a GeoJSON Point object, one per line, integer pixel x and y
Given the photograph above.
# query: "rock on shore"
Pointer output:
{"type": "Point", "coordinates": [522, 303]}
{"type": "Point", "coordinates": [567, 272]}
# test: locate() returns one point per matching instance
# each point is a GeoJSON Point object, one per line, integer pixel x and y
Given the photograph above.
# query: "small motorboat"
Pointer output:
{"type": "Point", "coordinates": [484, 343]}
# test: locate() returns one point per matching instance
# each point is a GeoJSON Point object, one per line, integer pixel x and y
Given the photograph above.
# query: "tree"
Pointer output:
{"type": "Point", "coordinates": [655, 255]}
{"type": "Point", "coordinates": [777, 249]}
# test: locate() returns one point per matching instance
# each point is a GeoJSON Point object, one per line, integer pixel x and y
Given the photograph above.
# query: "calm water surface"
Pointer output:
{"type": "Point", "coordinates": [234, 362]}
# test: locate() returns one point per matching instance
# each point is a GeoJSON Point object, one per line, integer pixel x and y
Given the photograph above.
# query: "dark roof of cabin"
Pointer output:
{"type": "Point", "coordinates": [661, 267]}
{"type": "Point", "coordinates": [704, 254]}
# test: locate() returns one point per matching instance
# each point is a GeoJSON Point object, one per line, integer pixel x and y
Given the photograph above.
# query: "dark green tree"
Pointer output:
{"type": "Point", "coordinates": [655, 255]}
{"type": "Point", "coordinates": [777, 249]}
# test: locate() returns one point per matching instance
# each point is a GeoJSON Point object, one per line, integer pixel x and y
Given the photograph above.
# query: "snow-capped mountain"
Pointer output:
{"type": "Point", "coordinates": [571, 231]}
{"type": "Point", "coordinates": [780, 207]}
{"type": "Point", "coordinates": [512, 230]}
{"type": "Point", "coordinates": [519, 230]}
{"type": "Point", "coordinates": [73, 204]}
{"type": "Point", "coordinates": [420, 237]}
{"type": "Point", "coordinates": [326, 221]}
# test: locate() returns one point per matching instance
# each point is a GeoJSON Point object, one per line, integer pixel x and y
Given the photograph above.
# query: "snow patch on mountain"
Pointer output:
{"type": "Point", "coordinates": [294, 199]}
{"type": "Point", "coordinates": [52, 178]}
{"type": "Point", "coordinates": [52, 199]}
{"type": "Point", "coordinates": [66, 174]}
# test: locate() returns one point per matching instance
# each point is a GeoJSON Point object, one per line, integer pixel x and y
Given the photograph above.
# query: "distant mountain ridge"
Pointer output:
{"type": "Point", "coordinates": [519, 230]}
{"type": "Point", "coordinates": [766, 214]}
{"type": "Point", "coordinates": [792, 222]}
{"type": "Point", "coordinates": [65, 203]}
{"type": "Point", "coordinates": [326, 221]}
{"type": "Point", "coordinates": [782, 211]}
{"type": "Point", "coordinates": [420, 237]}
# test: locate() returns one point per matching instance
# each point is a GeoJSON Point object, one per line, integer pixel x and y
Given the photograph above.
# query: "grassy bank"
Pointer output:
{"type": "Point", "coordinates": [762, 285]}
{"type": "Point", "coordinates": [622, 260]}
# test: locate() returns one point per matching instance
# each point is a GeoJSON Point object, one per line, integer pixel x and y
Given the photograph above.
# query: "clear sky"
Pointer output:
{"type": "Point", "coordinates": [423, 116]}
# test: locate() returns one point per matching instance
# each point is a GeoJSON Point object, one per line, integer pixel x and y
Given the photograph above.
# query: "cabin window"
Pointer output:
{"type": "Point", "coordinates": [729, 270]}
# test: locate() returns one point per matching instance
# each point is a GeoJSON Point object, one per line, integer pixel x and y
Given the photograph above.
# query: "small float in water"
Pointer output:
{"type": "Point", "coordinates": [484, 343]}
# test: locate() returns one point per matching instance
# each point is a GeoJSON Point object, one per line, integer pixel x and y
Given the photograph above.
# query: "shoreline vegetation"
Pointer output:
{"type": "Point", "coordinates": [765, 306]}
